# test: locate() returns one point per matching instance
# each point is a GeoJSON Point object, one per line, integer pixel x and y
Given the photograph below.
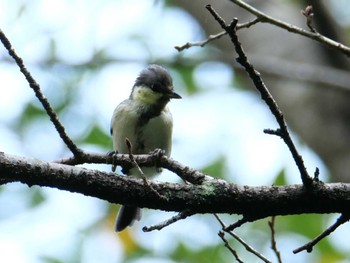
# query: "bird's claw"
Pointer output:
{"type": "Point", "coordinates": [114, 155]}
{"type": "Point", "coordinates": [158, 153]}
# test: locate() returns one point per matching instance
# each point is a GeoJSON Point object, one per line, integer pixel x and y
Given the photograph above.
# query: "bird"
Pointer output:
{"type": "Point", "coordinates": [146, 122]}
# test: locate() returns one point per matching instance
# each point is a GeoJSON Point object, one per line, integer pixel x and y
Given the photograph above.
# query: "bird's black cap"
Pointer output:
{"type": "Point", "coordinates": [158, 79]}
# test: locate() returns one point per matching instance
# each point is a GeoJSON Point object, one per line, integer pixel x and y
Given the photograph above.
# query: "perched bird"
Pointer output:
{"type": "Point", "coordinates": [146, 122]}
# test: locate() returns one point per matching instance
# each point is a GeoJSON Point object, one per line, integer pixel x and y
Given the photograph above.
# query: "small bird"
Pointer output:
{"type": "Point", "coordinates": [145, 120]}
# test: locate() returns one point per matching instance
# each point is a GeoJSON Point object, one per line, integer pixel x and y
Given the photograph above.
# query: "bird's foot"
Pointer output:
{"type": "Point", "coordinates": [158, 153]}
{"type": "Point", "coordinates": [114, 155]}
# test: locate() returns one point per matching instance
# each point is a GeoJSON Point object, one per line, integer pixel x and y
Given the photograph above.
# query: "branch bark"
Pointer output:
{"type": "Point", "coordinates": [212, 196]}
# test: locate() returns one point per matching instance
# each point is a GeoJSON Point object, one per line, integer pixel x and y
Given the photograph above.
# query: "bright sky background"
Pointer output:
{"type": "Point", "coordinates": [218, 121]}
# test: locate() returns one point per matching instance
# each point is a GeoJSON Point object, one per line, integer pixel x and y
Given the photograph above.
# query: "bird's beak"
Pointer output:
{"type": "Point", "coordinates": [174, 95]}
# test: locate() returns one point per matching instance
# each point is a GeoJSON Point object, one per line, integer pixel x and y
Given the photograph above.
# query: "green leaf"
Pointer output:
{"type": "Point", "coordinates": [217, 168]}
{"type": "Point", "coordinates": [206, 254]}
{"type": "Point", "coordinates": [97, 136]}
{"type": "Point", "coordinates": [280, 178]}
{"type": "Point", "coordinates": [36, 197]}
{"type": "Point", "coordinates": [186, 73]}
{"type": "Point", "coordinates": [31, 111]}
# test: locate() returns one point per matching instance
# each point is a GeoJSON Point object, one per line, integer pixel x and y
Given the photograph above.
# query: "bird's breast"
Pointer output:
{"type": "Point", "coordinates": [145, 134]}
{"type": "Point", "coordinates": [155, 134]}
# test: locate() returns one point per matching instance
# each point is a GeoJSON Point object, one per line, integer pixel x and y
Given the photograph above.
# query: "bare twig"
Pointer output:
{"type": "Point", "coordinates": [139, 170]}
{"type": "Point", "coordinates": [78, 153]}
{"type": "Point", "coordinates": [265, 95]}
{"type": "Point", "coordinates": [294, 29]}
{"type": "Point", "coordinates": [200, 43]}
{"type": "Point", "coordinates": [214, 37]}
{"type": "Point", "coordinates": [240, 222]}
{"type": "Point", "coordinates": [221, 234]}
{"type": "Point", "coordinates": [134, 163]}
{"type": "Point", "coordinates": [179, 216]}
{"type": "Point", "coordinates": [273, 239]}
{"type": "Point", "coordinates": [308, 247]}
{"type": "Point", "coordinates": [241, 241]}
{"type": "Point", "coordinates": [320, 75]}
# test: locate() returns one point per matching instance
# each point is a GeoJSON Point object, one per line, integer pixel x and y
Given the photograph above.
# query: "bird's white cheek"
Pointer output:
{"type": "Point", "coordinates": [145, 95]}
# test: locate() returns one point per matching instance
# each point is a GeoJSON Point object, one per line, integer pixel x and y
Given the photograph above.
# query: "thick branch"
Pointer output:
{"type": "Point", "coordinates": [144, 160]}
{"type": "Point", "coordinates": [213, 196]}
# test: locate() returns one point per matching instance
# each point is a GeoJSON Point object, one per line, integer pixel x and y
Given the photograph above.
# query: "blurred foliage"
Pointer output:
{"type": "Point", "coordinates": [50, 260]}
{"type": "Point", "coordinates": [216, 168]}
{"type": "Point", "coordinates": [31, 112]}
{"type": "Point", "coordinates": [130, 246]}
{"type": "Point", "coordinates": [36, 197]}
{"type": "Point", "coordinates": [186, 73]}
{"type": "Point", "coordinates": [206, 254]}
{"type": "Point", "coordinates": [310, 226]}
{"type": "Point", "coordinates": [97, 136]}
{"type": "Point", "coordinates": [280, 178]}
{"type": "Point", "coordinates": [72, 256]}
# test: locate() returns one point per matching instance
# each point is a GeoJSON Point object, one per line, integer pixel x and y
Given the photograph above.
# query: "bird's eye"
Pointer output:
{"type": "Point", "coordinates": [156, 87]}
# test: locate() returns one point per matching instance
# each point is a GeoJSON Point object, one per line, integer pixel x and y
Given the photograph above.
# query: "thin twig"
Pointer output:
{"type": "Point", "coordinates": [309, 246]}
{"type": "Point", "coordinates": [265, 95]}
{"type": "Point", "coordinates": [241, 241]}
{"type": "Point", "coordinates": [200, 43]}
{"type": "Point", "coordinates": [323, 76]}
{"type": "Point", "coordinates": [78, 153]}
{"type": "Point", "coordinates": [139, 170]}
{"type": "Point", "coordinates": [273, 239]}
{"type": "Point", "coordinates": [294, 29]}
{"type": "Point", "coordinates": [214, 37]}
{"type": "Point", "coordinates": [172, 220]}
{"type": "Point", "coordinates": [221, 234]}
{"type": "Point", "coordinates": [240, 222]}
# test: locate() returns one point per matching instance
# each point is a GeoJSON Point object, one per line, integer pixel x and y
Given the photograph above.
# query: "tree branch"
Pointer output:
{"type": "Point", "coordinates": [43, 100]}
{"type": "Point", "coordinates": [264, 18]}
{"type": "Point", "coordinates": [181, 215]}
{"type": "Point", "coordinates": [265, 95]}
{"type": "Point", "coordinates": [309, 246]}
{"type": "Point", "coordinates": [221, 234]}
{"type": "Point", "coordinates": [144, 160]}
{"type": "Point", "coordinates": [241, 241]}
{"type": "Point", "coordinates": [214, 37]}
{"type": "Point", "coordinates": [212, 196]}
{"type": "Point", "coordinates": [273, 239]}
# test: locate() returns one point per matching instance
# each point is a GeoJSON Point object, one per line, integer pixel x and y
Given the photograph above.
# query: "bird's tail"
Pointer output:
{"type": "Point", "coordinates": [126, 217]}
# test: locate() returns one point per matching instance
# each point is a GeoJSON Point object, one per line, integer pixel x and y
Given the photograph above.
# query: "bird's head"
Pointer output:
{"type": "Point", "coordinates": [154, 87]}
